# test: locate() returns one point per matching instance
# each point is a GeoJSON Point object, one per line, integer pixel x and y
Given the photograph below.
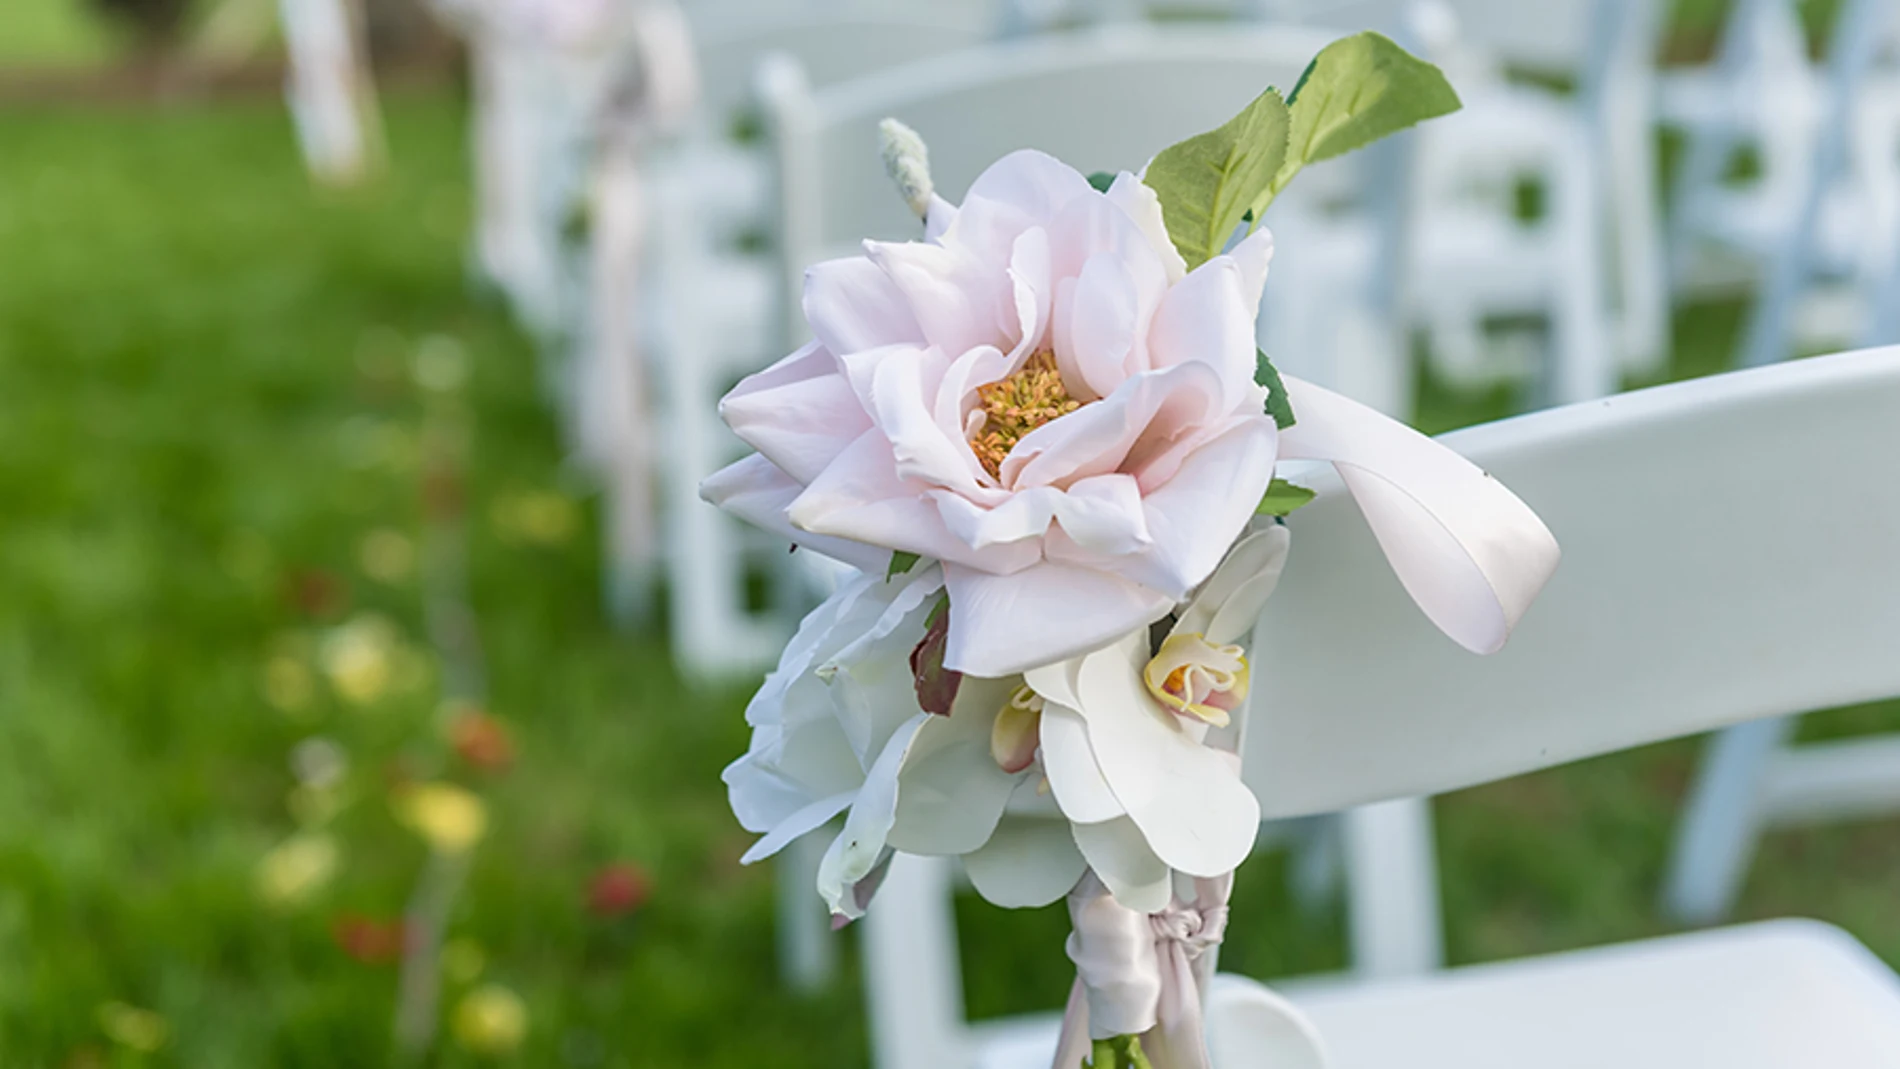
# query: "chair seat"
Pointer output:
{"type": "Point", "coordinates": [1786, 994]}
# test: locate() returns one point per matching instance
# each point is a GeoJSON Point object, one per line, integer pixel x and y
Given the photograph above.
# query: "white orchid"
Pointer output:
{"type": "Point", "coordinates": [1142, 790]}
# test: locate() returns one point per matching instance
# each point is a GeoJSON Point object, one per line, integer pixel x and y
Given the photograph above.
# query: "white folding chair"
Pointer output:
{"type": "Point", "coordinates": [1824, 205]}
{"type": "Point", "coordinates": [1666, 618]}
{"type": "Point", "coordinates": [332, 100]}
{"type": "Point", "coordinates": [1673, 612]}
{"type": "Point", "coordinates": [1591, 264]}
{"type": "Point", "coordinates": [1754, 777]}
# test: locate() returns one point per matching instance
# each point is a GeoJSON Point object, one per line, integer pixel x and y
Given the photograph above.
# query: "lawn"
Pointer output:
{"type": "Point", "coordinates": [219, 476]}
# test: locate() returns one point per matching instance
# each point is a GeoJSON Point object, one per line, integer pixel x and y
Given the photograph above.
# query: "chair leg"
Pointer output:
{"type": "Point", "coordinates": [1392, 889]}
{"type": "Point", "coordinates": [1721, 821]}
{"type": "Point", "coordinates": [913, 980]}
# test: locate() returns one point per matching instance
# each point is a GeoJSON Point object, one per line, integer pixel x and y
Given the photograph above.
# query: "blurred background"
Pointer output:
{"type": "Point", "coordinates": [346, 717]}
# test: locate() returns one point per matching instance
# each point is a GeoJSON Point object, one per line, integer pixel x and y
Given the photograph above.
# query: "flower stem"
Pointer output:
{"type": "Point", "coordinates": [1118, 1052]}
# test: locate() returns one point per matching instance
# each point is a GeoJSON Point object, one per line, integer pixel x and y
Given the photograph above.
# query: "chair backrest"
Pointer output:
{"type": "Point", "coordinates": [1729, 554]}
{"type": "Point", "coordinates": [834, 41]}
{"type": "Point", "coordinates": [1101, 99]}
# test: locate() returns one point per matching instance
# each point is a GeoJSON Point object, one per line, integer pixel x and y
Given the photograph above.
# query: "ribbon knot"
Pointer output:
{"type": "Point", "coordinates": [1197, 929]}
{"type": "Point", "coordinates": [1141, 973]}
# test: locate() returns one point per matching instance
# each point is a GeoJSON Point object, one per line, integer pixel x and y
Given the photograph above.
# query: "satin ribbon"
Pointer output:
{"type": "Point", "coordinates": [1142, 974]}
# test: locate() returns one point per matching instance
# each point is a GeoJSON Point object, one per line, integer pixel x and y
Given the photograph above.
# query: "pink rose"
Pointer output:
{"type": "Point", "coordinates": [1039, 395]}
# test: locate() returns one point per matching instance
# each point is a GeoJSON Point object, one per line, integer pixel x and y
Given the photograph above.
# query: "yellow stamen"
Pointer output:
{"type": "Point", "coordinates": [1014, 406]}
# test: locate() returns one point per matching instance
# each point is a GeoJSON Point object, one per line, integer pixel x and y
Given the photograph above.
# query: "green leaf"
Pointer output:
{"type": "Point", "coordinates": [1278, 405]}
{"type": "Point", "coordinates": [1282, 498]}
{"type": "Point", "coordinates": [1101, 180]}
{"type": "Point", "coordinates": [1208, 183]}
{"type": "Point", "coordinates": [901, 562]}
{"type": "Point", "coordinates": [1356, 91]}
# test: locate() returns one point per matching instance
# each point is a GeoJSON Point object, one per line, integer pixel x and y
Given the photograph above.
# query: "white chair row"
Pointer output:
{"type": "Point", "coordinates": [1659, 623]}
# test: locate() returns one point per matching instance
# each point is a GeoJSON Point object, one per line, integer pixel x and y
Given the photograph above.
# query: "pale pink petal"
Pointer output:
{"type": "Point", "coordinates": [1112, 434]}
{"type": "Point", "coordinates": [1252, 256]}
{"type": "Point", "coordinates": [956, 395]}
{"type": "Point", "coordinates": [852, 305]}
{"type": "Point", "coordinates": [960, 301]}
{"type": "Point", "coordinates": [1026, 864]}
{"type": "Point", "coordinates": [800, 413]}
{"type": "Point", "coordinates": [1135, 197]}
{"type": "Point", "coordinates": [1208, 318]}
{"type": "Point", "coordinates": [1196, 515]}
{"type": "Point", "coordinates": [1004, 624]}
{"type": "Point", "coordinates": [1103, 514]}
{"type": "Point", "coordinates": [1097, 327]}
{"type": "Point", "coordinates": [900, 390]}
{"type": "Point", "coordinates": [1186, 798]}
{"type": "Point", "coordinates": [1469, 552]}
{"type": "Point", "coordinates": [1126, 864]}
{"type": "Point", "coordinates": [859, 497]}
{"type": "Point", "coordinates": [756, 491]}
{"type": "Point", "coordinates": [1034, 184]}
{"type": "Point", "coordinates": [1031, 291]}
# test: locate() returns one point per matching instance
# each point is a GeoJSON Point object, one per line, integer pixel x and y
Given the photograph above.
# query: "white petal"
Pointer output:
{"type": "Point", "coordinates": [852, 306]}
{"type": "Point", "coordinates": [1186, 798]}
{"type": "Point", "coordinates": [756, 491]}
{"type": "Point", "coordinates": [1120, 855]}
{"type": "Point", "coordinates": [1074, 778]}
{"type": "Point", "coordinates": [856, 850]}
{"type": "Point", "coordinates": [1003, 624]}
{"type": "Point", "coordinates": [1028, 863]}
{"type": "Point", "coordinates": [807, 819]}
{"type": "Point", "coordinates": [953, 792]}
{"type": "Point", "coordinates": [1227, 605]}
{"type": "Point", "coordinates": [1469, 552]}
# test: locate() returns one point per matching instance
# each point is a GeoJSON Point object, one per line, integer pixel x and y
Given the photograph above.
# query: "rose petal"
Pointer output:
{"type": "Point", "coordinates": [1004, 624]}
{"type": "Point", "coordinates": [852, 305]}
{"type": "Point", "coordinates": [756, 491]}
{"type": "Point", "coordinates": [1207, 318]}
{"type": "Point", "coordinates": [1195, 516]}
{"type": "Point", "coordinates": [800, 413]}
{"type": "Point", "coordinates": [806, 819]}
{"type": "Point", "coordinates": [1143, 205]}
{"type": "Point", "coordinates": [860, 497]}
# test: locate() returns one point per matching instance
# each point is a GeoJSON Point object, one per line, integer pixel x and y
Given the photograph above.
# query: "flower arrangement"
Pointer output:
{"type": "Point", "coordinates": [1046, 442]}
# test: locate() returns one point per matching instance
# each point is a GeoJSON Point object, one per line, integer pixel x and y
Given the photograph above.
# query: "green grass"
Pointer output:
{"type": "Point", "coordinates": [203, 404]}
